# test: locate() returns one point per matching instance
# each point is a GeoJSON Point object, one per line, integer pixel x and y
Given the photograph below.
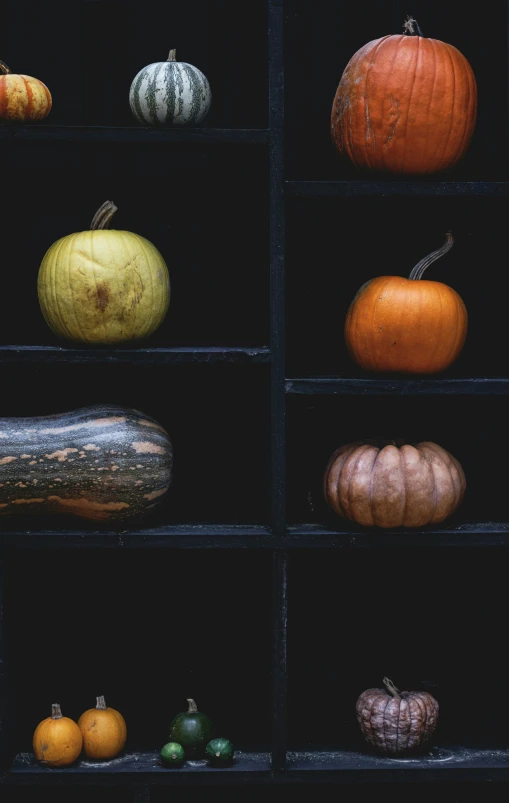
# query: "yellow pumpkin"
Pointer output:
{"type": "Point", "coordinates": [104, 731]}
{"type": "Point", "coordinates": [22, 98]}
{"type": "Point", "coordinates": [103, 286]}
{"type": "Point", "coordinates": [57, 740]}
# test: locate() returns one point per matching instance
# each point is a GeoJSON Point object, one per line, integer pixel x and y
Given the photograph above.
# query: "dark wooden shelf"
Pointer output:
{"type": "Point", "coordinates": [143, 134]}
{"type": "Point", "coordinates": [382, 189]}
{"type": "Point", "coordinates": [177, 536]}
{"type": "Point", "coordinates": [141, 767]}
{"type": "Point", "coordinates": [440, 764]}
{"type": "Point", "coordinates": [496, 386]}
{"type": "Point", "coordinates": [175, 354]}
{"type": "Point", "coordinates": [471, 534]}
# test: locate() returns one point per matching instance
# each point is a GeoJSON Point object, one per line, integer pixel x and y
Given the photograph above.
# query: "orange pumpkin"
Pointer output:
{"type": "Point", "coordinates": [57, 740]}
{"type": "Point", "coordinates": [405, 104]}
{"type": "Point", "coordinates": [22, 98]}
{"type": "Point", "coordinates": [409, 325]}
{"type": "Point", "coordinates": [104, 731]}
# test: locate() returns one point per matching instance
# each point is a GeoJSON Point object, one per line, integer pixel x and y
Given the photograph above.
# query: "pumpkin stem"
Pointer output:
{"type": "Point", "coordinates": [101, 704]}
{"type": "Point", "coordinates": [421, 266]}
{"type": "Point", "coordinates": [408, 27]}
{"type": "Point", "coordinates": [391, 688]}
{"type": "Point", "coordinates": [103, 216]}
{"type": "Point", "coordinates": [56, 712]}
{"type": "Point", "coordinates": [4, 69]}
{"type": "Point", "coordinates": [172, 56]}
{"type": "Point", "coordinates": [192, 706]}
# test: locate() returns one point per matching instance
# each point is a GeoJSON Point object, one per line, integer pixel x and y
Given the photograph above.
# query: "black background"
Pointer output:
{"type": "Point", "coordinates": [148, 629]}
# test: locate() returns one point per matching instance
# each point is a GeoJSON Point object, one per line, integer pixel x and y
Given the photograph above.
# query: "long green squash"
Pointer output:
{"type": "Point", "coordinates": [100, 462]}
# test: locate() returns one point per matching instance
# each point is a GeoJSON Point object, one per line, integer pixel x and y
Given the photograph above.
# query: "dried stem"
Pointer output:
{"type": "Point", "coordinates": [103, 216]}
{"type": "Point", "coordinates": [192, 706]}
{"type": "Point", "coordinates": [391, 688]}
{"type": "Point", "coordinates": [101, 703]}
{"type": "Point", "coordinates": [411, 27]}
{"type": "Point", "coordinates": [4, 69]}
{"type": "Point", "coordinates": [56, 712]}
{"type": "Point", "coordinates": [172, 56]}
{"type": "Point", "coordinates": [421, 266]}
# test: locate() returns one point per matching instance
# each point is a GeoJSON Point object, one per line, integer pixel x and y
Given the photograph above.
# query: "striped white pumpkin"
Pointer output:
{"type": "Point", "coordinates": [170, 92]}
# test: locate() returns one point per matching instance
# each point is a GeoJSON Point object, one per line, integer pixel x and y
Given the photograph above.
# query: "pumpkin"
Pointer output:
{"type": "Point", "coordinates": [22, 98]}
{"type": "Point", "coordinates": [172, 755]}
{"type": "Point", "coordinates": [170, 92]}
{"type": "Point", "coordinates": [396, 722]}
{"type": "Point", "coordinates": [219, 752]}
{"type": "Point", "coordinates": [405, 104]}
{"type": "Point", "coordinates": [103, 286]}
{"type": "Point", "coordinates": [411, 326]}
{"type": "Point", "coordinates": [57, 740]}
{"type": "Point", "coordinates": [393, 485]}
{"type": "Point", "coordinates": [99, 462]}
{"type": "Point", "coordinates": [192, 730]}
{"type": "Point", "coordinates": [103, 730]}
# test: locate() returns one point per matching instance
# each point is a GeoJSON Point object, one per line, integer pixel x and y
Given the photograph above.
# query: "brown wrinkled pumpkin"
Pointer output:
{"type": "Point", "coordinates": [395, 485]}
{"type": "Point", "coordinates": [411, 326]}
{"type": "Point", "coordinates": [405, 104]}
{"type": "Point", "coordinates": [396, 722]}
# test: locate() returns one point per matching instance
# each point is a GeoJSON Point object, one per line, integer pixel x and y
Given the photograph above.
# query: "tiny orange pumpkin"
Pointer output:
{"type": "Point", "coordinates": [22, 98]}
{"type": "Point", "coordinates": [57, 740]}
{"type": "Point", "coordinates": [104, 731]}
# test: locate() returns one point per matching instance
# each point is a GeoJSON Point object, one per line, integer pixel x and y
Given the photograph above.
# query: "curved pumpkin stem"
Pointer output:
{"type": "Point", "coordinates": [421, 266]}
{"type": "Point", "coordinates": [172, 56]}
{"type": "Point", "coordinates": [408, 27]}
{"type": "Point", "coordinates": [101, 703]}
{"type": "Point", "coordinates": [4, 69]}
{"type": "Point", "coordinates": [391, 688]}
{"type": "Point", "coordinates": [192, 706]}
{"type": "Point", "coordinates": [56, 712]}
{"type": "Point", "coordinates": [103, 216]}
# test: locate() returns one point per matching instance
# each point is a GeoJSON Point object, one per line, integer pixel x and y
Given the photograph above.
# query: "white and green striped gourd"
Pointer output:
{"type": "Point", "coordinates": [170, 93]}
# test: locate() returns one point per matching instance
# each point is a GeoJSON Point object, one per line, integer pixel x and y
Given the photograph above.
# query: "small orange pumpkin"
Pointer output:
{"type": "Point", "coordinates": [22, 98]}
{"type": "Point", "coordinates": [104, 731]}
{"type": "Point", "coordinates": [409, 325]}
{"type": "Point", "coordinates": [57, 740]}
{"type": "Point", "coordinates": [405, 104]}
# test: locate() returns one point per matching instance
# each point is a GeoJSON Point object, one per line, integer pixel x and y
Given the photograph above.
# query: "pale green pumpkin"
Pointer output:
{"type": "Point", "coordinates": [103, 286]}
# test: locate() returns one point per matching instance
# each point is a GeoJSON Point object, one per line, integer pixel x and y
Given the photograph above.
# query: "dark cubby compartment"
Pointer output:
{"type": "Point", "coordinates": [469, 427]}
{"type": "Point", "coordinates": [360, 615]}
{"type": "Point", "coordinates": [89, 73]}
{"type": "Point", "coordinates": [145, 631]}
{"type": "Point", "coordinates": [215, 417]}
{"type": "Point", "coordinates": [321, 38]}
{"type": "Point", "coordinates": [338, 244]}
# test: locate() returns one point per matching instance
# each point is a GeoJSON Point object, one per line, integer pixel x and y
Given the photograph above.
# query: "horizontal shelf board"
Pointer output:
{"type": "Point", "coordinates": [176, 354]}
{"type": "Point", "coordinates": [328, 189]}
{"type": "Point", "coordinates": [182, 536]}
{"type": "Point", "coordinates": [475, 534]}
{"type": "Point", "coordinates": [439, 764]}
{"type": "Point", "coordinates": [498, 386]}
{"type": "Point", "coordinates": [99, 133]}
{"type": "Point", "coordinates": [141, 767]}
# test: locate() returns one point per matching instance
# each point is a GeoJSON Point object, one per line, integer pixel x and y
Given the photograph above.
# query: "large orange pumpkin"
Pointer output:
{"type": "Point", "coordinates": [57, 740]}
{"type": "Point", "coordinates": [409, 325]}
{"type": "Point", "coordinates": [22, 98]}
{"type": "Point", "coordinates": [405, 104]}
{"type": "Point", "coordinates": [104, 731]}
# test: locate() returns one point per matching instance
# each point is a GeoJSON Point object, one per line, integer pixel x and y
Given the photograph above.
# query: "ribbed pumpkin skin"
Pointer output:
{"type": "Point", "coordinates": [104, 733]}
{"type": "Point", "coordinates": [103, 287]}
{"type": "Point", "coordinates": [100, 462]}
{"type": "Point", "coordinates": [410, 486]}
{"type": "Point", "coordinates": [23, 98]}
{"type": "Point", "coordinates": [405, 104]}
{"type": "Point", "coordinates": [406, 326]}
{"type": "Point", "coordinates": [57, 742]}
{"type": "Point", "coordinates": [396, 726]}
{"type": "Point", "coordinates": [171, 93]}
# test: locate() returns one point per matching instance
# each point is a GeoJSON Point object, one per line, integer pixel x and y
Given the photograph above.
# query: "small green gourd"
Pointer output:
{"type": "Point", "coordinates": [172, 754]}
{"type": "Point", "coordinates": [219, 752]}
